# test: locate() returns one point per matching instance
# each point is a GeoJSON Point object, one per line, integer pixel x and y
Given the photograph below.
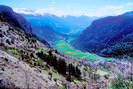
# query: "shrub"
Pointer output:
{"type": "Point", "coordinates": [121, 83]}
{"type": "Point", "coordinates": [60, 65]}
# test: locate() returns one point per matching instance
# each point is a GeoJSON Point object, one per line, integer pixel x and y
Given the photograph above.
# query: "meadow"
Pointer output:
{"type": "Point", "coordinates": [65, 48]}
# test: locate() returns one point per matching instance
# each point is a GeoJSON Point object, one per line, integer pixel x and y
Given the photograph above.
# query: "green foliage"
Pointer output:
{"type": "Point", "coordinates": [121, 83]}
{"type": "Point", "coordinates": [33, 40]}
{"type": "Point", "coordinates": [74, 70]}
{"type": "Point", "coordinates": [14, 52]}
{"type": "Point", "coordinates": [60, 65]}
{"type": "Point", "coordinates": [67, 49]}
{"type": "Point", "coordinates": [120, 49]}
{"type": "Point", "coordinates": [62, 87]}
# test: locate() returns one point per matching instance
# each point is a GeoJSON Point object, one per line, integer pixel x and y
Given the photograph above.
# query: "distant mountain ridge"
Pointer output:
{"type": "Point", "coordinates": [50, 20]}
{"type": "Point", "coordinates": [105, 33]}
{"type": "Point", "coordinates": [78, 23]}
{"type": "Point", "coordinates": [44, 28]}
{"type": "Point", "coordinates": [64, 24]}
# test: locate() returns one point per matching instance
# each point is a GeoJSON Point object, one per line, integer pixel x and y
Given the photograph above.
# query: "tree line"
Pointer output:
{"type": "Point", "coordinates": [68, 70]}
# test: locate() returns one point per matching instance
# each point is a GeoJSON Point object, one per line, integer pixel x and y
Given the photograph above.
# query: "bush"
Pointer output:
{"type": "Point", "coordinates": [60, 65]}
{"type": "Point", "coordinates": [121, 83]}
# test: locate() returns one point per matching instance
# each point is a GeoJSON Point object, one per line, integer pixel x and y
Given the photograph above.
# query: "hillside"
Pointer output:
{"type": "Point", "coordinates": [45, 27]}
{"type": "Point", "coordinates": [112, 33]}
{"type": "Point", "coordinates": [7, 14]}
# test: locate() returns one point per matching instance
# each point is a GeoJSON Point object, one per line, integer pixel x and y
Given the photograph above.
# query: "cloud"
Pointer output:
{"type": "Point", "coordinates": [112, 7]}
{"type": "Point", "coordinates": [51, 10]}
{"type": "Point", "coordinates": [23, 11]}
{"type": "Point", "coordinates": [106, 10]}
{"type": "Point", "coordinates": [109, 10]}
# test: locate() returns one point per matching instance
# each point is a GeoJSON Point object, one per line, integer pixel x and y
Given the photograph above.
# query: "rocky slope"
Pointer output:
{"type": "Point", "coordinates": [109, 32]}
{"type": "Point", "coordinates": [15, 42]}
{"type": "Point", "coordinates": [16, 74]}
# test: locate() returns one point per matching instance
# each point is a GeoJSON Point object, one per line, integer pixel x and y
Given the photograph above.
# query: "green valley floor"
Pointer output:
{"type": "Point", "coordinates": [65, 48]}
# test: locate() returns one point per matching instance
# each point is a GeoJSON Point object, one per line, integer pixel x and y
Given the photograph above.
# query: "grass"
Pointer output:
{"type": "Point", "coordinates": [67, 49]}
{"type": "Point", "coordinates": [102, 72]}
{"type": "Point", "coordinates": [54, 74]}
{"type": "Point", "coordinates": [13, 52]}
{"type": "Point", "coordinates": [121, 83]}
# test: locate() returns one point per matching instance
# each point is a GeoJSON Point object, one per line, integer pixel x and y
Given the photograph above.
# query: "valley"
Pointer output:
{"type": "Point", "coordinates": [54, 52]}
{"type": "Point", "coordinates": [65, 48]}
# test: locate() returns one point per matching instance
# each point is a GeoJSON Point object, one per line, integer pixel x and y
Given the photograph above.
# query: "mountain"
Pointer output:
{"type": "Point", "coordinates": [109, 36]}
{"type": "Point", "coordinates": [64, 25]}
{"type": "Point", "coordinates": [7, 14]}
{"type": "Point", "coordinates": [52, 28]}
{"type": "Point", "coordinates": [78, 23]}
{"type": "Point", "coordinates": [52, 21]}
{"type": "Point", "coordinates": [47, 33]}
{"type": "Point", "coordinates": [47, 27]}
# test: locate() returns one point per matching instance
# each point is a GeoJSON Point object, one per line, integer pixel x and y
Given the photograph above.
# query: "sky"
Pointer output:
{"type": "Point", "coordinates": [70, 7]}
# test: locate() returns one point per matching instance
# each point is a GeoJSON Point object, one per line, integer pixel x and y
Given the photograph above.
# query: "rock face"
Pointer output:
{"type": "Point", "coordinates": [105, 33]}
{"type": "Point", "coordinates": [15, 74]}
{"type": "Point", "coordinates": [7, 14]}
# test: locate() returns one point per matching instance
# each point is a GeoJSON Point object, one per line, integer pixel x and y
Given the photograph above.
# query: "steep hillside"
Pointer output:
{"type": "Point", "coordinates": [47, 27]}
{"type": "Point", "coordinates": [16, 74]}
{"type": "Point", "coordinates": [107, 32]}
{"type": "Point", "coordinates": [7, 14]}
{"type": "Point", "coordinates": [47, 33]}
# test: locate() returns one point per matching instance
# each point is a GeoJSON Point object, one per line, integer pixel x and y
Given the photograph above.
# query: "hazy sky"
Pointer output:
{"type": "Point", "coordinates": [71, 7]}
